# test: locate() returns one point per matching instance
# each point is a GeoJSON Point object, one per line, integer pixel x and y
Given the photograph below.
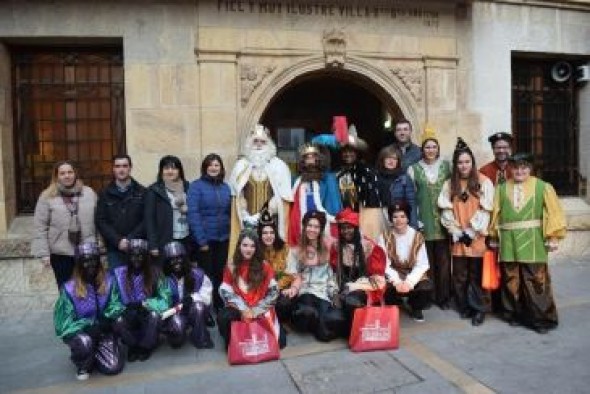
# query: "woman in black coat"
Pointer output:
{"type": "Point", "coordinates": [166, 208]}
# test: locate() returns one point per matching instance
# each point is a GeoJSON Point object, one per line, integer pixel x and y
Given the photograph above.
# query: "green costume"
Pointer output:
{"type": "Point", "coordinates": [523, 231]}
{"type": "Point", "coordinates": [427, 193]}
{"type": "Point", "coordinates": [65, 318]}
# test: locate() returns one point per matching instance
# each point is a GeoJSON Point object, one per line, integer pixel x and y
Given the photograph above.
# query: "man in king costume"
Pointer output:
{"type": "Point", "coordinates": [258, 177]}
{"type": "Point", "coordinates": [316, 189]}
{"type": "Point", "coordinates": [528, 221]}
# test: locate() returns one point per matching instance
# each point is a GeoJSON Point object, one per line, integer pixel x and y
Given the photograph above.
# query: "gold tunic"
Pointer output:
{"type": "Point", "coordinates": [278, 261]}
{"type": "Point", "coordinates": [256, 194]}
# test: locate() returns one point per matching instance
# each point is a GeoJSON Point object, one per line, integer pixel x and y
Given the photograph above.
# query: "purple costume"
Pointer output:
{"type": "Point", "coordinates": [176, 326]}
{"type": "Point", "coordinates": [140, 329]}
{"type": "Point", "coordinates": [75, 316]}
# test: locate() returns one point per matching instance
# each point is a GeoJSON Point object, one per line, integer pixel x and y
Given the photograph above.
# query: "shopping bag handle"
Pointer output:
{"type": "Point", "coordinates": [372, 298]}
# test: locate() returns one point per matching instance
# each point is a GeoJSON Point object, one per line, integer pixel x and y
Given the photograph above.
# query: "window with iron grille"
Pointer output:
{"type": "Point", "coordinates": [68, 104]}
{"type": "Point", "coordinates": [545, 122]}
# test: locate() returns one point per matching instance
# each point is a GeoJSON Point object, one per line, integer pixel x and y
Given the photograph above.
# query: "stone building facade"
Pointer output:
{"type": "Point", "coordinates": [197, 74]}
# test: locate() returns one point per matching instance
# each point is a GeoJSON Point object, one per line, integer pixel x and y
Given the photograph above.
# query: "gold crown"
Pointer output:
{"type": "Point", "coordinates": [260, 131]}
{"type": "Point", "coordinates": [429, 133]}
{"type": "Point", "coordinates": [308, 148]}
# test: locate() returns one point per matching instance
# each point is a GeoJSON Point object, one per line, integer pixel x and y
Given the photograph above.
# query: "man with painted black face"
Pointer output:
{"type": "Point", "coordinates": [84, 315]}
{"type": "Point", "coordinates": [191, 296]}
{"type": "Point", "coordinates": [120, 211]}
{"type": "Point", "coordinates": [358, 262]}
{"type": "Point", "coordinates": [358, 184]}
{"type": "Point", "coordinates": [145, 295]}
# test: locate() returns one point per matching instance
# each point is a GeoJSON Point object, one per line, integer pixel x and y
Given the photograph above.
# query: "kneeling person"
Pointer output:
{"type": "Point", "coordinates": [145, 294]}
{"type": "Point", "coordinates": [84, 314]}
{"type": "Point", "coordinates": [249, 289]}
{"type": "Point", "coordinates": [359, 264]}
{"type": "Point", "coordinates": [191, 295]}
{"type": "Point", "coordinates": [407, 263]}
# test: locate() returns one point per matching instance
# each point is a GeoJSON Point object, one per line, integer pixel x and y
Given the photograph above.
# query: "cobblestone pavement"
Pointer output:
{"type": "Point", "coordinates": [442, 355]}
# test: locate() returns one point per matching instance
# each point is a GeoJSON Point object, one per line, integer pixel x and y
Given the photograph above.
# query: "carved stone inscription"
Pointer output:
{"type": "Point", "coordinates": [391, 10]}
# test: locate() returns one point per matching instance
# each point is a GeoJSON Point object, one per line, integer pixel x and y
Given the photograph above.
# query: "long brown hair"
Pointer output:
{"type": "Point", "coordinates": [255, 271]}
{"type": "Point", "coordinates": [80, 285]}
{"type": "Point", "coordinates": [150, 277]}
{"type": "Point", "coordinates": [304, 242]}
{"type": "Point", "coordinates": [388, 151]}
{"type": "Point", "coordinates": [473, 186]}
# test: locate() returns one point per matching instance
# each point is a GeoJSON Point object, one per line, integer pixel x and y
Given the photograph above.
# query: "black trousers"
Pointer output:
{"type": "Point", "coordinates": [63, 267]}
{"type": "Point", "coordinates": [469, 295]}
{"type": "Point", "coordinates": [213, 263]}
{"type": "Point", "coordinates": [351, 301]}
{"type": "Point", "coordinates": [284, 308]}
{"type": "Point", "coordinates": [418, 297]}
{"type": "Point", "coordinates": [527, 295]}
{"type": "Point", "coordinates": [439, 256]}
{"type": "Point", "coordinates": [318, 316]}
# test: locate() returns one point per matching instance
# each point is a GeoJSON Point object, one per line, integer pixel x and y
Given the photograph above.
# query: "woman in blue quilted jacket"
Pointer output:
{"type": "Point", "coordinates": [209, 211]}
{"type": "Point", "coordinates": [393, 182]}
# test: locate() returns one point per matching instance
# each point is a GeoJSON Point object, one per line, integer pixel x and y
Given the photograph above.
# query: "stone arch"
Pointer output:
{"type": "Point", "coordinates": [381, 81]}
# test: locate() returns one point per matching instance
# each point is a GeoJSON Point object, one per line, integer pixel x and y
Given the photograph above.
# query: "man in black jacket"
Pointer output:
{"type": "Point", "coordinates": [120, 211]}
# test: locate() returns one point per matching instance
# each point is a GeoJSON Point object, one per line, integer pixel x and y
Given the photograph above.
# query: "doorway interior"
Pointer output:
{"type": "Point", "coordinates": [306, 107]}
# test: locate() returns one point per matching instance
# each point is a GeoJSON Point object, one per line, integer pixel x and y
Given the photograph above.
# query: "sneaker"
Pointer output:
{"type": "Point", "coordinates": [82, 374]}
{"type": "Point", "coordinates": [418, 315]}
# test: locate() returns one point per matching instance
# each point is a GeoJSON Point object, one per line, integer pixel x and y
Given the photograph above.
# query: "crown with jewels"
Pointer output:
{"type": "Point", "coordinates": [266, 218]}
{"type": "Point", "coordinates": [260, 131]}
{"type": "Point", "coordinates": [429, 133]}
{"type": "Point", "coordinates": [308, 148]}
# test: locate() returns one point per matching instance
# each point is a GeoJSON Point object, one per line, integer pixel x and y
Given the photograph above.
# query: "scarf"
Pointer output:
{"type": "Point", "coordinates": [70, 197]}
{"type": "Point", "coordinates": [177, 190]}
{"type": "Point", "coordinates": [71, 191]}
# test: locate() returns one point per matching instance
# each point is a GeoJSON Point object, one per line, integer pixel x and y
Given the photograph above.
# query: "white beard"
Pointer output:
{"type": "Point", "coordinates": [260, 158]}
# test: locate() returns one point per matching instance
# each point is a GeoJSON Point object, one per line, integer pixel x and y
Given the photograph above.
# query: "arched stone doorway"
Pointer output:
{"type": "Point", "coordinates": [305, 107]}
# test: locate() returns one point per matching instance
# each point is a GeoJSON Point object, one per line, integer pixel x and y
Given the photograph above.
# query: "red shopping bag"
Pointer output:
{"type": "Point", "coordinates": [375, 328]}
{"type": "Point", "coordinates": [490, 277]}
{"type": "Point", "coordinates": [252, 342]}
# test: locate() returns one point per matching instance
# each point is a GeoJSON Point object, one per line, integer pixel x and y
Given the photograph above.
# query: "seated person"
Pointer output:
{"type": "Point", "coordinates": [275, 253]}
{"type": "Point", "coordinates": [314, 287]}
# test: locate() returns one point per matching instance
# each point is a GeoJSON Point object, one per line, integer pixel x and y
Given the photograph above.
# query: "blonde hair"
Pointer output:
{"type": "Point", "coordinates": [52, 189]}
{"type": "Point", "coordinates": [80, 286]}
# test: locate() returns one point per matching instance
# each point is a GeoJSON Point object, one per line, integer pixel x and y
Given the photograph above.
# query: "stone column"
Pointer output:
{"type": "Point", "coordinates": [218, 95]}
{"type": "Point", "coordinates": [7, 181]}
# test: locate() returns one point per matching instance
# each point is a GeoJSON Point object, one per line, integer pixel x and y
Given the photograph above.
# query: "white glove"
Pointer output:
{"type": "Point", "coordinates": [251, 220]}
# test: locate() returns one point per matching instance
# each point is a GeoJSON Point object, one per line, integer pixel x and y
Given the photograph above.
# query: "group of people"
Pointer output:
{"type": "Point", "coordinates": [303, 252]}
